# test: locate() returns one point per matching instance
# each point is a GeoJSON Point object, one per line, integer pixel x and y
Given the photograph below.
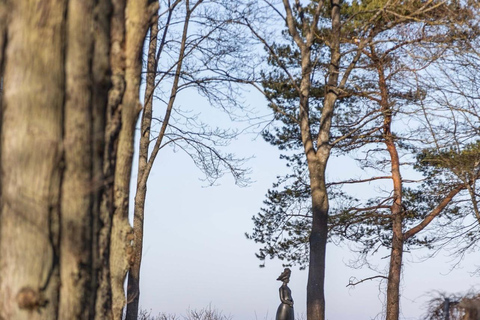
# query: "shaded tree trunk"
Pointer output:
{"type": "Point", "coordinates": [78, 188]}
{"type": "Point", "coordinates": [318, 243]}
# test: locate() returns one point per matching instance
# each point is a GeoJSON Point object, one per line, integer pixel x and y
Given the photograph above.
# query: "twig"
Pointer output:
{"type": "Point", "coordinates": [350, 283]}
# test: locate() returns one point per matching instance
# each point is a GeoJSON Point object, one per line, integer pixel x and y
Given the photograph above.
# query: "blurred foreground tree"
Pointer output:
{"type": "Point", "coordinates": [69, 103]}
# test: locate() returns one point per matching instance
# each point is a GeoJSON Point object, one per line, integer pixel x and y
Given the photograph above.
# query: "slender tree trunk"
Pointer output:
{"type": "Point", "coordinates": [128, 65]}
{"type": "Point", "coordinates": [133, 287]}
{"type": "Point", "coordinates": [394, 274]}
{"type": "Point", "coordinates": [146, 162]}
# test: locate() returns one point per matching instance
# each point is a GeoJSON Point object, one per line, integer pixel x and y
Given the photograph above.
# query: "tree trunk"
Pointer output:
{"type": "Point", "coordinates": [317, 163]}
{"type": "Point", "coordinates": [320, 206]}
{"type": "Point", "coordinates": [318, 242]}
{"type": "Point", "coordinates": [394, 274]}
{"type": "Point", "coordinates": [77, 289]}
{"type": "Point", "coordinates": [103, 148]}
{"type": "Point", "coordinates": [133, 287]}
{"type": "Point", "coordinates": [51, 155]}
{"type": "Point", "coordinates": [395, 269]}
{"type": "Point", "coordinates": [31, 160]}
{"type": "Point", "coordinates": [127, 66]}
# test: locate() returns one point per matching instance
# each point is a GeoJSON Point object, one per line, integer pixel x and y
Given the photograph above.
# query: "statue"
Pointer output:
{"type": "Point", "coordinates": [285, 309]}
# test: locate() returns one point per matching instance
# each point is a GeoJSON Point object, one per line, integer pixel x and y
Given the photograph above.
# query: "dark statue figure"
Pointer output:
{"type": "Point", "coordinates": [285, 309]}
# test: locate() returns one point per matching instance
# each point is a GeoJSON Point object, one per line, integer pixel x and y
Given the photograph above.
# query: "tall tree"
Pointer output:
{"type": "Point", "coordinates": [338, 46]}
{"type": "Point", "coordinates": [398, 214]}
{"type": "Point", "coordinates": [304, 24]}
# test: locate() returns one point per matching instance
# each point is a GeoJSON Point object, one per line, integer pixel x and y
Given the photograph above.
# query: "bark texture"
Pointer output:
{"type": "Point", "coordinates": [65, 154]}
{"type": "Point", "coordinates": [31, 159]}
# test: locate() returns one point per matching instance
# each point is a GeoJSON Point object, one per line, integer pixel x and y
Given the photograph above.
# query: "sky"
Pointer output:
{"type": "Point", "coordinates": [196, 254]}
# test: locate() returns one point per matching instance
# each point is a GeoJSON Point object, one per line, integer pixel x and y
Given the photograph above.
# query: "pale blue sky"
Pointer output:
{"type": "Point", "coordinates": [196, 254]}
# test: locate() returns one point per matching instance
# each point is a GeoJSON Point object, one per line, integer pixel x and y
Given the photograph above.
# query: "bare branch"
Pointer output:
{"type": "Point", "coordinates": [351, 283]}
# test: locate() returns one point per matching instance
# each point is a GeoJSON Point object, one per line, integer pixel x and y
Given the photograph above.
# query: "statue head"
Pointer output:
{"type": "Point", "coordinates": [285, 276]}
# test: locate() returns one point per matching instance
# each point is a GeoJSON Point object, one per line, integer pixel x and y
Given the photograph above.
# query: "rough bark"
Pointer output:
{"type": "Point", "coordinates": [51, 147]}
{"type": "Point", "coordinates": [31, 160]}
{"type": "Point", "coordinates": [59, 167]}
{"type": "Point", "coordinates": [103, 151]}
{"type": "Point", "coordinates": [78, 287]}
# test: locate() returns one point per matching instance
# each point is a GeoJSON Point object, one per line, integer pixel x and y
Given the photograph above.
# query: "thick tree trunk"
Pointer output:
{"type": "Point", "coordinates": [31, 160]}
{"type": "Point", "coordinates": [104, 150]}
{"type": "Point", "coordinates": [58, 208]}
{"type": "Point", "coordinates": [77, 276]}
{"type": "Point", "coordinates": [52, 133]}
